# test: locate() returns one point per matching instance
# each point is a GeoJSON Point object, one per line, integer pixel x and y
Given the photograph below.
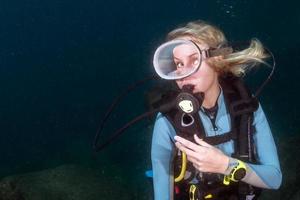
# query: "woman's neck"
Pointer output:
{"type": "Point", "coordinates": [211, 95]}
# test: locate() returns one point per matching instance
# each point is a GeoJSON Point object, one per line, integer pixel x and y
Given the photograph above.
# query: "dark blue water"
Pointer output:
{"type": "Point", "coordinates": [63, 62]}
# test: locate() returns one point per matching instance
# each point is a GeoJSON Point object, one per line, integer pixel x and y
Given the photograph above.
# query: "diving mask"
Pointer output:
{"type": "Point", "coordinates": [180, 58]}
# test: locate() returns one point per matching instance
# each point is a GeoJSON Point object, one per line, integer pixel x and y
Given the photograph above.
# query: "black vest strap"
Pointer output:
{"type": "Point", "coordinates": [241, 106]}
{"type": "Point", "coordinates": [219, 139]}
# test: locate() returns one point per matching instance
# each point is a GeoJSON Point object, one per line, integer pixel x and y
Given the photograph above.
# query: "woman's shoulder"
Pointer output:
{"type": "Point", "coordinates": [162, 125]}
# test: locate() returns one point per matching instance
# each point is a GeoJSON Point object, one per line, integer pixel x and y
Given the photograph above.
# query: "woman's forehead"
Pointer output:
{"type": "Point", "coordinates": [185, 50]}
{"type": "Point", "coordinates": [201, 45]}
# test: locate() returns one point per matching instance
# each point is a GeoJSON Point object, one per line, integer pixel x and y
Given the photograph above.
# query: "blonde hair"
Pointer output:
{"type": "Point", "coordinates": [236, 63]}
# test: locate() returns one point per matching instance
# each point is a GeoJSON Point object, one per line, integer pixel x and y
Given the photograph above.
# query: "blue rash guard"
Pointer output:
{"type": "Point", "coordinates": [266, 174]}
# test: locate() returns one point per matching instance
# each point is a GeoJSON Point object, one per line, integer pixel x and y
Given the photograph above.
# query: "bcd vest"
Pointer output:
{"type": "Point", "coordinates": [240, 105]}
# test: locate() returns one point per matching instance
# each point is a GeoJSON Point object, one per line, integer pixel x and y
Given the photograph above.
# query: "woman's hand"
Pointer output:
{"type": "Point", "coordinates": [205, 157]}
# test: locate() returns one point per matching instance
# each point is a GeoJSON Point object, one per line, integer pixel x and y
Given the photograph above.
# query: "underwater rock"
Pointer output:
{"type": "Point", "coordinates": [74, 182]}
{"type": "Point", "coordinates": [10, 191]}
{"type": "Point", "coordinates": [68, 182]}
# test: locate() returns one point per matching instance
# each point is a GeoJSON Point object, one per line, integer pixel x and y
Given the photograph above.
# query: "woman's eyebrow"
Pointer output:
{"type": "Point", "coordinates": [188, 56]}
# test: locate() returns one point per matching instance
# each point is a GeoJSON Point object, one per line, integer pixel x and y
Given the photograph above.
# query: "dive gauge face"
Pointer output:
{"type": "Point", "coordinates": [239, 174]}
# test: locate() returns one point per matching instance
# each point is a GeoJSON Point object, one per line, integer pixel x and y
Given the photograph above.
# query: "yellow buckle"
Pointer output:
{"type": "Point", "coordinates": [192, 192]}
{"type": "Point", "coordinates": [194, 195]}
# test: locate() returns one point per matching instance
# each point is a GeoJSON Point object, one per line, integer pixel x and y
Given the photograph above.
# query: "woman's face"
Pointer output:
{"type": "Point", "coordinates": [204, 78]}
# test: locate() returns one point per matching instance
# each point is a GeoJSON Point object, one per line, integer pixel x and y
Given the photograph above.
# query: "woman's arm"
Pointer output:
{"type": "Point", "coordinates": [268, 169]}
{"type": "Point", "coordinates": [162, 156]}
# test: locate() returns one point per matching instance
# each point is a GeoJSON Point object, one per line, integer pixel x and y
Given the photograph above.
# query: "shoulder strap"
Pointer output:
{"type": "Point", "coordinates": [241, 105]}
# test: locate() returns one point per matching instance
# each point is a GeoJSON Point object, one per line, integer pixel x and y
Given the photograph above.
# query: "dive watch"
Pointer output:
{"type": "Point", "coordinates": [237, 173]}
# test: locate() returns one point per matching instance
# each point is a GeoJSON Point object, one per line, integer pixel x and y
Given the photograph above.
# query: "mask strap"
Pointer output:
{"type": "Point", "coordinates": [219, 52]}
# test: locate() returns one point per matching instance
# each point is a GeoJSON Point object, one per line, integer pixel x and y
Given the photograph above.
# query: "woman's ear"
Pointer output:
{"type": "Point", "coordinates": [212, 61]}
{"type": "Point", "coordinates": [217, 58]}
{"type": "Point", "coordinates": [216, 62]}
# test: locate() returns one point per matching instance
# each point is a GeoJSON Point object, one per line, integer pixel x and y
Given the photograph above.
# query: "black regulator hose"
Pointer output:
{"type": "Point", "coordinates": [98, 147]}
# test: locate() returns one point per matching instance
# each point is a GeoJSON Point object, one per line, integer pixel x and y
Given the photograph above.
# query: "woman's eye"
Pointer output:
{"type": "Point", "coordinates": [196, 62]}
{"type": "Point", "coordinates": [179, 65]}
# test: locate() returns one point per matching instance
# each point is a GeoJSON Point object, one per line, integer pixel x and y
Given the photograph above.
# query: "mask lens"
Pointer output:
{"type": "Point", "coordinates": [177, 59]}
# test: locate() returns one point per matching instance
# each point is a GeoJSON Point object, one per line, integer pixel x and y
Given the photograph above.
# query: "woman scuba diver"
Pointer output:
{"type": "Point", "coordinates": [211, 138]}
{"type": "Point", "coordinates": [216, 143]}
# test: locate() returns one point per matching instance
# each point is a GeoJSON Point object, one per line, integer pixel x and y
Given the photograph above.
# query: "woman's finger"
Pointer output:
{"type": "Point", "coordinates": [201, 142]}
{"type": "Point", "coordinates": [187, 143]}
{"type": "Point", "coordinates": [188, 151]}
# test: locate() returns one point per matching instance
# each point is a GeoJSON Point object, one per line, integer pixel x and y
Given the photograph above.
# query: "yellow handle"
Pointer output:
{"type": "Point", "coordinates": [183, 168]}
